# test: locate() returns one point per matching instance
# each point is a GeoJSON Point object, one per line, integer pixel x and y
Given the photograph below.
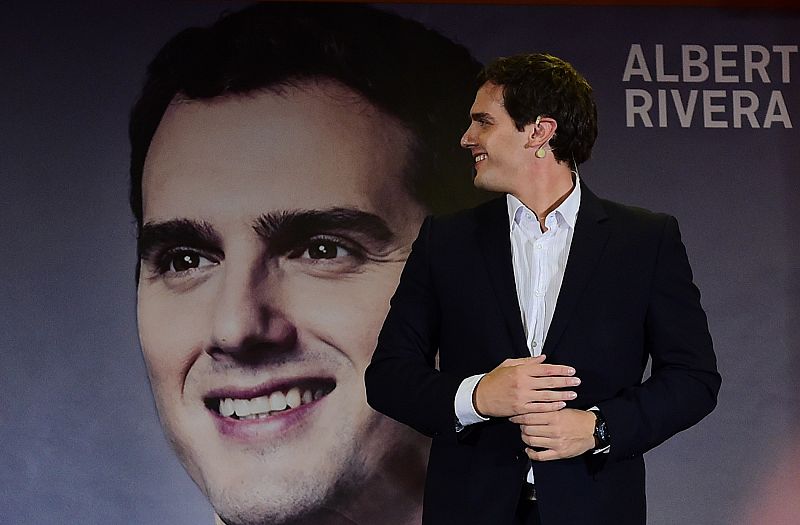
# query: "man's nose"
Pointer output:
{"type": "Point", "coordinates": [248, 313]}
{"type": "Point", "coordinates": [466, 139]}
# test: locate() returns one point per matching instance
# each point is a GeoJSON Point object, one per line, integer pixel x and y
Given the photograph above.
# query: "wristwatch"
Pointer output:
{"type": "Point", "coordinates": [602, 438]}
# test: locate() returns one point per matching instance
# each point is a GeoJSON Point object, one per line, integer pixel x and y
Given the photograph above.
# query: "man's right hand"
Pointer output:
{"type": "Point", "coordinates": [522, 386]}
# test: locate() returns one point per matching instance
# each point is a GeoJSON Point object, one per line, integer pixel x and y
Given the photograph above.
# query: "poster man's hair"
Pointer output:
{"type": "Point", "coordinates": [414, 74]}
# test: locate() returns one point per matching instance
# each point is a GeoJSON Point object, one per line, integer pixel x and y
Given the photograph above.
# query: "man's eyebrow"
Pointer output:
{"type": "Point", "coordinates": [481, 116]}
{"type": "Point", "coordinates": [290, 225]}
{"type": "Point", "coordinates": [176, 232]}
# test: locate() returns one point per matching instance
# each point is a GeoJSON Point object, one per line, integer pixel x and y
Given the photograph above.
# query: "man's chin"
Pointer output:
{"type": "Point", "coordinates": [262, 505]}
{"type": "Point", "coordinates": [483, 181]}
{"type": "Point", "coordinates": [278, 489]}
{"type": "Point", "coordinates": [488, 180]}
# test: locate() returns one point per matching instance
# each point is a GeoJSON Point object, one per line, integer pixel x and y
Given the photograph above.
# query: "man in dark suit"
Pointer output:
{"type": "Point", "coordinates": [544, 307]}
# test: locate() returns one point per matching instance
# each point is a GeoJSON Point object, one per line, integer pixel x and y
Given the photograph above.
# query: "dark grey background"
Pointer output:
{"type": "Point", "coordinates": [81, 441]}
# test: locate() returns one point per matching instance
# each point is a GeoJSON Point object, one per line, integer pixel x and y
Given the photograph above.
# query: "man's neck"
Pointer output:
{"type": "Point", "coordinates": [544, 191]}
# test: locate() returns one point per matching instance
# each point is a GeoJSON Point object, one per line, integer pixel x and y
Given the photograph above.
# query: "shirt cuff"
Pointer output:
{"type": "Point", "coordinates": [465, 411]}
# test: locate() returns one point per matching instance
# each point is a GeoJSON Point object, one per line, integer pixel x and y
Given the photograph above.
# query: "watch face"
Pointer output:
{"type": "Point", "coordinates": [601, 432]}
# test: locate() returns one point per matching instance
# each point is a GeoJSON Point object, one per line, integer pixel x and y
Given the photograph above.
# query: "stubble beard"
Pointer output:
{"type": "Point", "coordinates": [310, 499]}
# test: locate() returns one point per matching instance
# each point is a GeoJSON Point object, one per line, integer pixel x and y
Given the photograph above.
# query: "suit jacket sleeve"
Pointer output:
{"type": "Point", "coordinates": [683, 385]}
{"type": "Point", "coordinates": [401, 380]}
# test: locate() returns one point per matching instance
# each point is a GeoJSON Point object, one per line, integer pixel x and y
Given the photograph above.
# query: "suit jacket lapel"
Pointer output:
{"type": "Point", "coordinates": [588, 242]}
{"type": "Point", "coordinates": [495, 242]}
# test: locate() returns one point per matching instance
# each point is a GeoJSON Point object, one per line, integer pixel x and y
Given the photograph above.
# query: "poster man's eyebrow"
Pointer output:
{"type": "Point", "coordinates": [172, 232]}
{"type": "Point", "coordinates": [284, 227]}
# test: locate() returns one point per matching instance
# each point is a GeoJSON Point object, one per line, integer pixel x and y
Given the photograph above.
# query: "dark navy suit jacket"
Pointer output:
{"type": "Point", "coordinates": [627, 295]}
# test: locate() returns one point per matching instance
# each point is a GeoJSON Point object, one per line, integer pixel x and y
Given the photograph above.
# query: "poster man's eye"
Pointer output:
{"type": "Point", "coordinates": [182, 260]}
{"type": "Point", "coordinates": [325, 249]}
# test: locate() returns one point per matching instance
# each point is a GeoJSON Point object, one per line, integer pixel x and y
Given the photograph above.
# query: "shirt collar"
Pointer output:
{"type": "Point", "coordinates": [567, 210]}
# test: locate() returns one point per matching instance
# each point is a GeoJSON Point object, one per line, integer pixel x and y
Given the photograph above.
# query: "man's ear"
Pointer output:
{"type": "Point", "coordinates": [540, 131]}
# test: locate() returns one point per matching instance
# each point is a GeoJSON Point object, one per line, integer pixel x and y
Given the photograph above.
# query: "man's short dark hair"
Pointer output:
{"type": "Point", "coordinates": [410, 72]}
{"type": "Point", "coordinates": [543, 85]}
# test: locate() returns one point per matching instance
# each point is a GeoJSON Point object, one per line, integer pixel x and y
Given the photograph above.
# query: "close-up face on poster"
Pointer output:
{"type": "Point", "coordinates": [208, 208]}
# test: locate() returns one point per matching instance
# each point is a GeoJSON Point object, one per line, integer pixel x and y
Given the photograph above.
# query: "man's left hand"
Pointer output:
{"type": "Point", "coordinates": [563, 434]}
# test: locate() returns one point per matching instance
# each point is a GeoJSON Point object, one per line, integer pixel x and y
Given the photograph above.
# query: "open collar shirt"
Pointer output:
{"type": "Point", "coordinates": [539, 259]}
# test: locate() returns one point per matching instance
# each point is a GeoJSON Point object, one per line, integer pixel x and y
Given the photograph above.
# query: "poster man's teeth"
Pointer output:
{"type": "Point", "coordinates": [480, 157]}
{"type": "Point", "coordinates": [264, 405]}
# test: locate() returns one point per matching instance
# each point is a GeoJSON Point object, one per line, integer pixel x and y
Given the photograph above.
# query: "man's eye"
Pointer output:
{"type": "Point", "coordinates": [179, 261]}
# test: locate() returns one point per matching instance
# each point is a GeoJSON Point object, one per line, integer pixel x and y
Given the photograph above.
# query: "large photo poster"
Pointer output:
{"type": "Point", "coordinates": [207, 207]}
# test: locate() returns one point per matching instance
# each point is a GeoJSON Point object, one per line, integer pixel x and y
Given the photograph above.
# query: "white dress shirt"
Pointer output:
{"type": "Point", "coordinates": [539, 260]}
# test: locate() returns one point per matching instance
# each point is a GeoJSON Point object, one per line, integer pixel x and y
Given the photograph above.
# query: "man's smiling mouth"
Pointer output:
{"type": "Point", "coordinates": [480, 157]}
{"type": "Point", "coordinates": [269, 402]}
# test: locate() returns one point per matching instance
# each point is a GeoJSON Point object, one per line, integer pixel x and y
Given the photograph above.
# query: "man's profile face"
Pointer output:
{"type": "Point", "coordinates": [498, 148]}
{"type": "Point", "coordinates": [275, 230]}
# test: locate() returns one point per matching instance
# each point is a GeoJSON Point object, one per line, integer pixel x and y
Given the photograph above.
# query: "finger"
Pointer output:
{"type": "Point", "coordinates": [538, 369]}
{"type": "Point", "coordinates": [552, 382]}
{"type": "Point", "coordinates": [539, 408]}
{"type": "Point", "coordinates": [542, 455]}
{"type": "Point", "coordinates": [517, 361]}
{"type": "Point", "coordinates": [538, 441]}
{"type": "Point", "coordinates": [546, 396]}
{"type": "Point", "coordinates": [539, 431]}
{"type": "Point", "coordinates": [531, 419]}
